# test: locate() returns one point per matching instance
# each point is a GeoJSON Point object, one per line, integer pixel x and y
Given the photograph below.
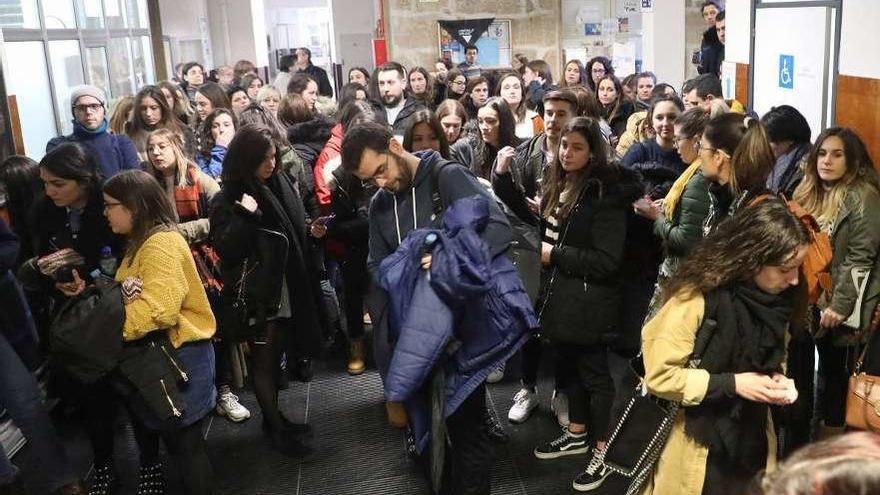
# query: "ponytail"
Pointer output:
{"type": "Point", "coordinates": [753, 159]}
{"type": "Point", "coordinates": [745, 141]}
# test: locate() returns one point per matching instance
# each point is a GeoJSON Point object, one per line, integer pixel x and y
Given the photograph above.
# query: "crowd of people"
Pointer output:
{"type": "Point", "coordinates": [219, 222]}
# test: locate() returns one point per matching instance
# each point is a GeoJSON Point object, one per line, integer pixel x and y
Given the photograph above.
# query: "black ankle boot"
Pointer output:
{"type": "Point", "coordinates": [151, 480]}
{"type": "Point", "coordinates": [493, 427]}
{"type": "Point", "coordinates": [104, 481]}
{"type": "Point", "coordinates": [289, 426]}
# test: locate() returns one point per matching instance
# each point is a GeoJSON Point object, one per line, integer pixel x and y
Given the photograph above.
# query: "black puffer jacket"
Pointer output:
{"type": "Point", "coordinates": [583, 293]}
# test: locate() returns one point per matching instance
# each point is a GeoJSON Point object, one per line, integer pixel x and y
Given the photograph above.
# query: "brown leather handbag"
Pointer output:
{"type": "Point", "coordinates": [863, 393]}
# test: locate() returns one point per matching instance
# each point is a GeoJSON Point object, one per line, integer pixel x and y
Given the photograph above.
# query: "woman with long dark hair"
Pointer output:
{"type": "Point", "coordinates": [596, 69]}
{"type": "Point", "coordinates": [511, 88]}
{"type": "Point", "coordinates": [584, 206]}
{"type": "Point", "coordinates": [209, 97]}
{"type": "Point", "coordinates": [739, 284]}
{"type": "Point", "coordinates": [216, 133]}
{"type": "Point", "coordinates": [259, 227]}
{"type": "Point", "coordinates": [538, 79]}
{"type": "Point", "coordinates": [497, 129]}
{"type": "Point", "coordinates": [20, 187]}
{"type": "Point", "coordinates": [151, 112]}
{"type": "Point", "coordinates": [421, 86]}
{"type": "Point", "coordinates": [426, 133]}
{"type": "Point", "coordinates": [70, 216]}
{"type": "Point", "coordinates": [617, 106]}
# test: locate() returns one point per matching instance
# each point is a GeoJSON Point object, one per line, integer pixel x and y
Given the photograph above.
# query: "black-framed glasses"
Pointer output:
{"type": "Point", "coordinates": [110, 204]}
{"type": "Point", "coordinates": [91, 107]}
{"type": "Point", "coordinates": [379, 172]}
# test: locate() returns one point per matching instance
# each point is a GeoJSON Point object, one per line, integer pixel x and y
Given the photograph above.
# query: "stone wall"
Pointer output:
{"type": "Point", "coordinates": [412, 26]}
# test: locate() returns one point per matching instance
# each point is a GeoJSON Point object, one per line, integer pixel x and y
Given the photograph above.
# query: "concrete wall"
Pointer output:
{"type": "Point", "coordinates": [860, 38]}
{"type": "Point", "coordinates": [412, 26]}
{"type": "Point", "coordinates": [739, 38]}
{"type": "Point", "coordinates": [663, 38]}
{"type": "Point", "coordinates": [354, 22]}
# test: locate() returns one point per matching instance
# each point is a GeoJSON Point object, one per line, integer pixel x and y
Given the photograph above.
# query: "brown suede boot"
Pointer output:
{"type": "Point", "coordinates": [396, 414]}
{"type": "Point", "coordinates": [356, 364]}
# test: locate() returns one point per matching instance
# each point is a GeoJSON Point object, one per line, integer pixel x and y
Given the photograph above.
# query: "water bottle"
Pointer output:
{"type": "Point", "coordinates": [107, 262]}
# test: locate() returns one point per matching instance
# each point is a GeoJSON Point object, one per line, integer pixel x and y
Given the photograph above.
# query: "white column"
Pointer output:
{"type": "Point", "coordinates": [663, 41]}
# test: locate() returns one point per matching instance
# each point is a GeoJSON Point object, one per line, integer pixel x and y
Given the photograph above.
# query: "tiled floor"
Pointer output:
{"type": "Point", "coordinates": [357, 453]}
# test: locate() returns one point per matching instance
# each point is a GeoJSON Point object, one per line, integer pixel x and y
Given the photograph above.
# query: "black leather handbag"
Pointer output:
{"type": "Point", "coordinates": [257, 292]}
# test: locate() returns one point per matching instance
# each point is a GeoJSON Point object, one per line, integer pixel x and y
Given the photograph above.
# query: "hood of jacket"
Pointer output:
{"type": "Point", "coordinates": [312, 132]}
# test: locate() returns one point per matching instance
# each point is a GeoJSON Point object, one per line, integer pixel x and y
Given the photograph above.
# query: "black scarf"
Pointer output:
{"type": "Point", "coordinates": [749, 336]}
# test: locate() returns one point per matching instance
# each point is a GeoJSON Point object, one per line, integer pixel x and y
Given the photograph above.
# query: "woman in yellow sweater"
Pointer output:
{"type": "Point", "coordinates": [163, 293]}
{"type": "Point", "coordinates": [734, 296]}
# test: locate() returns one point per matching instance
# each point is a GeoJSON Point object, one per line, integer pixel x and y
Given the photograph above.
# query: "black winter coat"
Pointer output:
{"type": "Point", "coordinates": [402, 123]}
{"type": "Point", "coordinates": [583, 293]}
{"type": "Point", "coordinates": [234, 229]}
{"type": "Point", "coordinates": [309, 138]}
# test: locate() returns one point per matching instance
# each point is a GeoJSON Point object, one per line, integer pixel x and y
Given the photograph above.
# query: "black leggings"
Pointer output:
{"type": "Point", "coordinates": [187, 449]}
{"type": "Point", "coordinates": [266, 358]}
{"type": "Point", "coordinates": [835, 363]}
{"type": "Point", "coordinates": [531, 361]}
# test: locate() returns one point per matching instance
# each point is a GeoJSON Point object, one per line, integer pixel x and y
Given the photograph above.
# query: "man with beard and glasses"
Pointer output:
{"type": "Point", "coordinates": [390, 80]}
{"type": "Point", "coordinates": [406, 202]}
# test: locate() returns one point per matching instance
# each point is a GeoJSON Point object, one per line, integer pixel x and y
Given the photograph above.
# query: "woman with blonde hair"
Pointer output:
{"type": "Point", "coordinates": [840, 190]}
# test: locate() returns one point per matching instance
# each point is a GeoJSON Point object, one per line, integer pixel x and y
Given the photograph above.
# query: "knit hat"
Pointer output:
{"type": "Point", "coordinates": [87, 90]}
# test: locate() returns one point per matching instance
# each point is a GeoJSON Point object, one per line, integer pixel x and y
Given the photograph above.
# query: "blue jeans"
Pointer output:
{"type": "Point", "coordinates": [20, 396]}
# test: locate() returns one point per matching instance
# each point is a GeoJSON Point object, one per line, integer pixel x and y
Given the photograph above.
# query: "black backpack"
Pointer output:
{"type": "Point", "coordinates": [86, 335]}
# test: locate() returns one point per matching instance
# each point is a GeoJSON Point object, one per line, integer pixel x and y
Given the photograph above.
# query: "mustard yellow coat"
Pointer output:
{"type": "Point", "coordinates": [667, 344]}
{"type": "Point", "coordinates": [173, 296]}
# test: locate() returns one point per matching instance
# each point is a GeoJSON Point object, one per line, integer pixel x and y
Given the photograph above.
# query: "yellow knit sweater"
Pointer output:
{"type": "Point", "coordinates": [173, 296]}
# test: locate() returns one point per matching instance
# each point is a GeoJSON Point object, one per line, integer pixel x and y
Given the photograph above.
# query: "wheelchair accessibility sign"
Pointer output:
{"type": "Point", "coordinates": [786, 71]}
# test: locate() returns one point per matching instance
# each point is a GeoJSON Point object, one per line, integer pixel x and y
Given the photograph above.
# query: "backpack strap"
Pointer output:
{"type": "Point", "coordinates": [436, 201]}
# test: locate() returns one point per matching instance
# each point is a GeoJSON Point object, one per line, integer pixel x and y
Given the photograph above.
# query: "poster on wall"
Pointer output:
{"type": "Point", "coordinates": [494, 42]}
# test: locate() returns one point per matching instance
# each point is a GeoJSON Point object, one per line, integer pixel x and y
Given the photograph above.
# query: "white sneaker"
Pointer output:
{"type": "Point", "coordinates": [559, 406]}
{"type": "Point", "coordinates": [496, 376]}
{"type": "Point", "coordinates": [228, 405]}
{"type": "Point", "coordinates": [524, 402]}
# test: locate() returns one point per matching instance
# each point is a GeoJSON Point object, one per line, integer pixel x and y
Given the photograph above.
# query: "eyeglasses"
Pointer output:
{"type": "Point", "coordinates": [379, 172]}
{"type": "Point", "coordinates": [110, 204]}
{"type": "Point", "coordinates": [700, 147]}
{"type": "Point", "coordinates": [459, 83]}
{"type": "Point", "coordinates": [598, 71]}
{"type": "Point", "coordinates": [676, 141]}
{"type": "Point", "coordinates": [92, 107]}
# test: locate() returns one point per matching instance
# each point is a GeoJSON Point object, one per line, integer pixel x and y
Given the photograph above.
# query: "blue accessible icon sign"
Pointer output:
{"type": "Point", "coordinates": [786, 71]}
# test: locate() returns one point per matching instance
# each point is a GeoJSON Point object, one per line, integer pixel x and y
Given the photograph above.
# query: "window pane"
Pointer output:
{"type": "Point", "coordinates": [19, 14]}
{"type": "Point", "coordinates": [142, 53]}
{"type": "Point", "coordinates": [137, 13]}
{"type": "Point", "coordinates": [33, 96]}
{"type": "Point", "coordinates": [114, 14]}
{"type": "Point", "coordinates": [59, 14]}
{"type": "Point", "coordinates": [91, 15]}
{"type": "Point", "coordinates": [97, 60]}
{"type": "Point", "coordinates": [120, 67]}
{"type": "Point", "coordinates": [67, 72]}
